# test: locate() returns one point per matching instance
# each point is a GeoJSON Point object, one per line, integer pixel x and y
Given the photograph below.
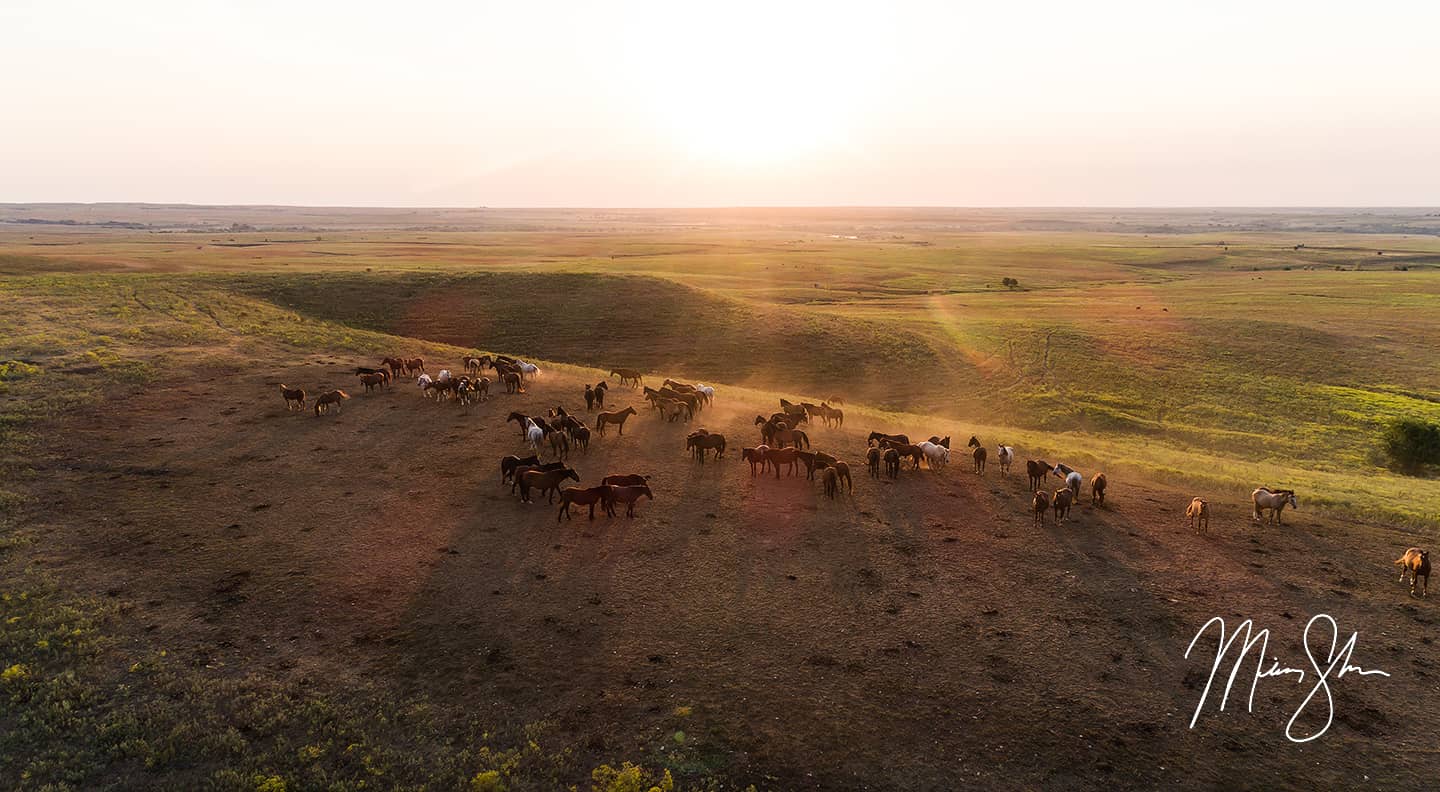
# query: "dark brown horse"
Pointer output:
{"type": "Point", "coordinates": [548, 482]}
{"type": "Point", "coordinates": [872, 461]}
{"type": "Point", "coordinates": [892, 463]}
{"type": "Point", "coordinates": [880, 439]}
{"type": "Point", "coordinates": [586, 496]}
{"type": "Point", "coordinates": [1038, 469]}
{"type": "Point", "coordinates": [699, 444]}
{"type": "Point", "coordinates": [629, 494]}
{"type": "Point", "coordinates": [510, 463]}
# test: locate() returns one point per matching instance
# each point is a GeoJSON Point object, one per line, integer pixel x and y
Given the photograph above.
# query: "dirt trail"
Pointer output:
{"type": "Point", "coordinates": [921, 634]}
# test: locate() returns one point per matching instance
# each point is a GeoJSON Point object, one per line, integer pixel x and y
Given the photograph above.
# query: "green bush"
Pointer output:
{"type": "Point", "coordinates": [1412, 444]}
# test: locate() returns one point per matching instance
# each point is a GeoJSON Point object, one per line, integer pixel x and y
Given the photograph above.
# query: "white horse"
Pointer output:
{"type": "Point", "coordinates": [443, 376]}
{"type": "Point", "coordinates": [533, 435]}
{"type": "Point", "coordinates": [423, 383]}
{"type": "Point", "coordinates": [528, 369]}
{"type": "Point", "coordinates": [706, 391]}
{"type": "Point", "coordinates": [1005, 455]}
{"type": "Point", "coordinates": [936, 455]}
{"type": "Point", "coordinates": [1274, 501]}
{"type": "Point", "coordinates": [1073, 479]}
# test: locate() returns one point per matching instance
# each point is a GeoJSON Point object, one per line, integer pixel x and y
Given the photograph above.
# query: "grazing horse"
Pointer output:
{"type": "Point", "coordinates": [756, 457]}
{"type": "Point", "coordinates": [547, 481]}
{"type": "Point", "coordinates": [1040, 504]}
{"type": "Point", "coordinates": [1062, 499]}
{"type": "Point", "coordinates": [294, 397]}
{"type": "Point", "coordinates": [831, 482]}
{"type": "Point", "coordinates": [1273, 501]}
{"type": "Point", "coordinates": [892, 462]}
{"type": "Point", "coordinates": [509, 464]}
{"type": "Point", "coordinates": [782, 456]}
{"type": "Point", "coordinates": [1004, 455]}
{"type": "Point", "coordinates": [631, 377]}
{"type": "Point", "coordinates": [589, 398]}
{"type": "Point", "coordinates": [881, 439]}
{"type": "Point", "coordinates": [617, 417]}
{"type": "Point", "coordinates": [1415, 562]}
{"type": "Point", "coordinates": [936, 455]}
{"type": "Point", "coordinates": [372, 381]}
{"type": "Point", "coordinates": [586, 496]}
{"type": "Point", "coordinates": [628, 495]}
{"type": "Point", "coordinates": [512, 382]}
{"type": "Point", "coordinates": [1199, 509]}
{"type": "Point", "coordinates": [322, 404]}
{"type": "Point", "coordinates": [1038, 470]}
{"type": "Point", "coordinates": [1097, 489]}
{"type": "Point", "coordinates": [701, 443]}
{"type": "Point", "coordinates": [872, 461]}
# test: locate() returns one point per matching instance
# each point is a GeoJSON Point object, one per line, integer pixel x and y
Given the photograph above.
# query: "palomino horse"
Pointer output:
{"type": "Point", "coordinates": [294, 397]}
{"type": "Point", "coordinates": [617, 417]}
{"type": "Point", "coordinates": [322, 404]}
{"type": "Point", "coordinates": [1273, 501]}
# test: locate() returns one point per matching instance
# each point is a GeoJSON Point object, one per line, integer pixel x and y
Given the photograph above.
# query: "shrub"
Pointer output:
{"type": "Point", "coordinates": [487, 781]}
{"type": "Point", "coordinates": [1412, 444]}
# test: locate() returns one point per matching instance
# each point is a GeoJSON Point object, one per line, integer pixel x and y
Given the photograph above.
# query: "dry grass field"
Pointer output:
{"type": "Point", "coordinates": [203, 590]}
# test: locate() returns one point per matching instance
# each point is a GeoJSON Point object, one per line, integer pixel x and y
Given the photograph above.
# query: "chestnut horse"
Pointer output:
{"type": "Point", "coordinates": [322, 404]}
{"type": "Point", "coordinates": [1038, 469]}
{"type": "Point", "coordinates": [294, 397]}
{"type": "Point", "coordinates": [548, 482]}
{"type": "Point", "coordinates": [586, 496]}
{"type": "Point", "coordinates": [617, 417]}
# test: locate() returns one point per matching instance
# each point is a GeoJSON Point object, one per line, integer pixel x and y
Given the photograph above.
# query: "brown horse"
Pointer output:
{"type": "Point", "coordinates": [814, 460]}
{"type": "Point", "coordinates": [559, 445]}
{"type": "Point", "coordinates": [1038, 469]}
{"type": "Point", "coordinates": [1416, 563]}
{"type": "Point", "coordinates": [699, 444]}
{"type": "Point", "coordinates": [322, 404]}
{"type": "Point", "coordinates": [1062, 499]}
{"type": "Point", "coordinates": [892, 463]}
{"type": "Point", "coordinates": [625, 480]}
{"type": "Point", "coordinates": [601, 388]}
{"type": "Point", "coordinates": [1097, 490]}
{"type": "Point", "coordinates": [782, 456]}
{"type": "Point", "coordinates": [547, 481]}
{"type": "Point", "coordinates": [414, 366]}
{"type": "Point", "coordinates": [1041, 504]}
{"type": "Point", "coordinates": [512, 382]}
{"type": "Point", "coordinates": [372, 381]}
{"type": "Point", "coordinates": [510, 463]}
{"type": "Point", "coordinates": [397, 366]}
{"type": "Point", "coordinates": [842, 469]}
{"type": "Point", "coordinates": [586, 496]}
{"type": "Point", "coordinates": [756, 457]}
{"type": "Point", "coordinates": [631, 377]}
{"type": "Point", "coordinates": [979, 456]}
{"type": "Point", "coordinates": [581, 438]}
{"type": "Point", "coordinates": [831, 481]}
{"type": "Point", "coordinates": [880, 439]}
{"type": "Point", "coordinates": [629, 494]}
{"type": "Point", "coordinates": [294, 397]}
{"type": "Point", "coordinates": [473, 366]}
{"type": "Point", "coordinates": [618, 417]}
{"type": "Point", "coordinates": [589, 398]}
{"type": "Point", "coordinates": [872, 461]}
{"type": "Point", "coordinates": [913, 452]}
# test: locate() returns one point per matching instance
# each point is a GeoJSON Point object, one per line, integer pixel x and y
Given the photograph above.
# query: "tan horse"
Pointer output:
{"type": "Point", "coordinates": [1199, 509]}
{"type": "Point", "coordinates": [1416, 563]}
{"type": "Point", "coordinates": [322, 404]}
{"type": "Point", "coordinates": [617, 417]}
{"type": "Point", "coordinates": [294, 397]}
{"type": "Point", "coordinates": [1272, 501]}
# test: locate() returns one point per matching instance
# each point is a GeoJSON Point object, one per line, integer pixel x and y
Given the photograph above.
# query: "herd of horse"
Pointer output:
{"type": "Point", "coordinates": [784, 446]}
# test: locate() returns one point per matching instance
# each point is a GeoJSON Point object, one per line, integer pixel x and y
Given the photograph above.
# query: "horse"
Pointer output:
{"type": "Point", "coordinates": [537, 467]}
{"type": "Point", "coordinates": [1040, 504]}
{"type": "Point", "coordinates": [520, 419]}
{"type": "Point", "coordinates": [1416, 562]}
{"type": "Point", "coordinates": [940, 441]}
{"type": "Point", "coordinates": [512, 382]}
{"type": "Point", "coordinates": [294, 397]}
{"type": "Point", "coordinates": [795, 411]}
{"type": "Point", "coordinates": [359, 370]}
{"type": "Point", "coordinates": [880, 439]}
{"type": "Point", "coordinates": [510, 463]}
{"type": "Point", "coordinates": [755, 456]}
{"type": "Point", "coordinates": [707, 392]}
{"type": "Point", "coordinates": [397, 366]}
{"type": "Point", "coordinates": [1038, 470]}
{"type": "Point", "coordinates": [892, 462]}
{"type": "Point", "coordinates": [672, 410]}
{"type": "Point", "coordinates": [547, 481]}
{"type": "Point", "coordinates": [1004, 455]}
{"type": "Point", "coordinates": [936, 455]}
{"type": "Point", "coordinates": [423, 382]}
{"type": "Point", "coordinates": [473, 366]}
{"type": "Point", "coordinates": [586, 496]}
{"type": "Point", "coordinates": [617, 417]}
{"type": "Point", "coordinates": [912, 452]}
{"type": "Point", "coordinates": [978, 455]}
{"type": "Point", "coordinates": [443, 376]}
{"type": "Point", "coordinates": [529, 370]}
{"type": "Point", "coordinates": [322, 404]}
{"type": "Point", "coordinates": [842, 470]}
{"type": "Point", "coordinates": [872, 461]}
{"type": "Point", "coordinates": [631, 377]}
{"type": "Point", "coordinates": [813, 460]}
{"type": "Point", "coordinates": [1063, 498]}
{"type": "Point", "coordinates": [559, 445]}
{"type": "Point", "coordinates": [831, 482]}
{"type": "Point", "coordinates": [1097, 489]}
{"type": "Point", "coordinates": [1274, 501]}
{"type": "Point", "coordinates": [1199, 509]}
{"type": "Point", "coordinates": [628, 495]}
{"type": "Point", "coordinates": [372, 381]}
{"type": "Point", "coordinates": [589, 398]}
{"type": "Point", "coordinates": [581, 437]}
{"type": "Point", "coordinates": [701, 443]}
{"type": "Point", "coordinates": [626, 480]}
{"type": "Point", "coordinates": [413, 365]}
{"type": "Point", "coordinates": [533, 434]}
{"type": "Point", "coordinates": [781, 456]}
{"type": "Point", "coordinates": [601, 388]}
{"type": "Point", "coordinates": [830, 415]}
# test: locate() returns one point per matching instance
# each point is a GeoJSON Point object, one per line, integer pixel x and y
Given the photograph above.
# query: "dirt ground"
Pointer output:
{"type": "Point", "coordinates": [918, 634]}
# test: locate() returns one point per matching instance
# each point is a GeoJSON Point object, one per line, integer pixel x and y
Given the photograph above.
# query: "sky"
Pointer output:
{"type": "Point", "coordinates": [538, 103]}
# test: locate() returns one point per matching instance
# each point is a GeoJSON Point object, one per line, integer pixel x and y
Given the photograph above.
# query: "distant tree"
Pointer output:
{"type": "Point", "coordinates": [1412, 444]}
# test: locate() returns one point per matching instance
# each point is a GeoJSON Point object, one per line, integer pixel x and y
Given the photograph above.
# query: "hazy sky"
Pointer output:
{"type": "Point", "coordinates": [675, 103]}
